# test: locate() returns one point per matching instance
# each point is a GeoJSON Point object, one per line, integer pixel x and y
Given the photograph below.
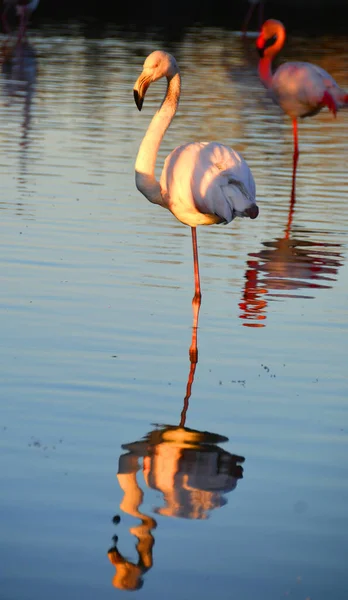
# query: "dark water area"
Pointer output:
{"type": "Point", "coordinates": [315, 15]}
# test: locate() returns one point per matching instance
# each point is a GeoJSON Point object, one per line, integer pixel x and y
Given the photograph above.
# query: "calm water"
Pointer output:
{"type": "Point", "coordinates": [96, 326]}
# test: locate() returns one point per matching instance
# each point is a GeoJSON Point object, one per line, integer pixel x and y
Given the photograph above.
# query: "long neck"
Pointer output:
{"type": "Point", "coordinates": [265, 71]}
{"type": "Point", "coordinates": [265, 63]}
{"type": "Point", "coordinates": [146, 159]}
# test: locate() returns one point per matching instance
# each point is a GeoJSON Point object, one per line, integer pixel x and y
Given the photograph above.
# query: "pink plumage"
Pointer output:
{"type": "Point", "coordinates": [301, 89]}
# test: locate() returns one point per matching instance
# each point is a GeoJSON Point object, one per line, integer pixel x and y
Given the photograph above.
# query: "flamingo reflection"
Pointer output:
{"type": "Point", "coordinates": [187, 466]}
{"type": "Point", "coordinates": [285, 265]}
{"type": "Point", "coordinates": [19, 70]}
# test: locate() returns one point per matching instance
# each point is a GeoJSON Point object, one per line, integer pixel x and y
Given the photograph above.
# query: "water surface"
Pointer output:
{"type": "Point", "coordinates": [250, 499]}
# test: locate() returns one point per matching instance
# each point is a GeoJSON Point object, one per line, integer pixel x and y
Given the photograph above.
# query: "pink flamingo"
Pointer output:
{"type": "Point", "coordinates": [301, 89]}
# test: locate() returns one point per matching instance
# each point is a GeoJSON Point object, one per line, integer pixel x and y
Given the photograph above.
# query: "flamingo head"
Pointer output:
{"type": "Point", "coordinates": [158, 64]}
{"type": "Point", "coordinates": [271, 38]}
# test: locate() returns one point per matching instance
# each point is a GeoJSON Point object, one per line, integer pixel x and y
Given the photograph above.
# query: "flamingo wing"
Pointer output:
{"type": "Point", "coordinates": [340, 96]}
{"type": "Point", "coordinates": [207, 182]}
{"type": "Point", "coordinates": [299, 87]}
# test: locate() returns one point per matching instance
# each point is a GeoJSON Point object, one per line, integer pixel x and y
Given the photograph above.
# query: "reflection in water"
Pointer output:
{"type": "Point", "coordinates": [186, 465]}
{"type": "Point", "coordinates": [285, 265]}
{"type": "Point", "coordinates": [19, 70]}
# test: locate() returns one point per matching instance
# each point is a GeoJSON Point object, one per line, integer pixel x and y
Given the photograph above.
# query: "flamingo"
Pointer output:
{"type": "Point", "coordinates": [202, 183]}
{"type": "Point", "coordinates": [24, 8]}
{"type": "Point", "coordinates": [301, 89]}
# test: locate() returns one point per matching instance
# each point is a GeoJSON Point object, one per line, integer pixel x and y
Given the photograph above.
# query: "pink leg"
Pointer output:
{"type": "Point", "coordinates": [197, 297]}
{"type": "Point", "coordinates": [296, 150]}
{"type": "Point", "coordinates": [295, 159]}
{"type": "Point", "coordinates": [329, 101]}
{"type": "Point", "coordinates": [292, 197]}
{"type": "Point", "coordinates": [193, 352]}
{"type": "Point", "coordinates": [196, 301]}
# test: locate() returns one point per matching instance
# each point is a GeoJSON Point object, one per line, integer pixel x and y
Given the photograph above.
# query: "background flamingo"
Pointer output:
{"type": "Point", "coordinates": [249, 14]}
{"type": "Point", "coordinates": [301, 89]}
{"type": "Point", "coordinates": [201, 183]}
{"type": "Point", "coordinates": [24, 8]}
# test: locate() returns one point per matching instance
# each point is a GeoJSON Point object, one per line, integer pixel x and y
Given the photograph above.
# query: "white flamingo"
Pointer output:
{"type": "Point", "coordinates": [202, 182]}
{"type": "Point", "coordinates": [301, 89]}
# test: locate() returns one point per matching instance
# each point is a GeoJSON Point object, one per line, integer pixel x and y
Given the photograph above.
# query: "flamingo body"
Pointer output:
{"type": "Point", "coordinates": [299, 89]}
{"type": "Point", "coordinates": [207, 182]}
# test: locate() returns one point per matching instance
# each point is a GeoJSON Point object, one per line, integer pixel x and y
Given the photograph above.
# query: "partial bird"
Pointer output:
{"type": "Point", "coordinates": [301, 89]}
{"type": "Point", "coordinates": [249, 14]}
{"type": "Point", "coordinates": [24, 8]}
{"type": "Point", "coordinates": [202, 183]}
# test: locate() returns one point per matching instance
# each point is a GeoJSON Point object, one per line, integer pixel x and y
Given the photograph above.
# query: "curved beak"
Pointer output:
{"type": "Point", "coordinates": [261, 52]}
{"type": "Point", "coordinates": [139, 90]}
{"type": "Point", "coordinates": [252, 212]}
{"type": "Point", "coordinates": [260, 45]}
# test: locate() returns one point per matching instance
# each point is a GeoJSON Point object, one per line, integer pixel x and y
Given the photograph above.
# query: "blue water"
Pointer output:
{"type": "Point", "coordinates": [250, 498]}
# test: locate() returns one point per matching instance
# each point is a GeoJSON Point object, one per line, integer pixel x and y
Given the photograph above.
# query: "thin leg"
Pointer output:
{"type": "Point", "coordinates": [197, 297]}
{"type": "Point", "coordinates": [295, 159]}
{"type": "Point", "coordinates": [296, 150]}
{"type": "Point", "coordinates": [247, 18]}
{"type": "Point", "coordinates": [193, 352]}
{"type": "Point", "coordinates": [261, 16]}
{"type": "Point", "coordinates": [23, 27]}
{"type": "Point", "coordinates": [193, 348]}
{"type": "Point", "coordinates": [293, 183]}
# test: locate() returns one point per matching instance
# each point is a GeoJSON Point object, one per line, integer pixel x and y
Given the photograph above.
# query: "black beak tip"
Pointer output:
{"type": "Point", "coordinates": [138, 99]}
{"type": "Point", "coordinates": [254, 211]}
{"type": "Point", "coordinates": [261, 52]}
